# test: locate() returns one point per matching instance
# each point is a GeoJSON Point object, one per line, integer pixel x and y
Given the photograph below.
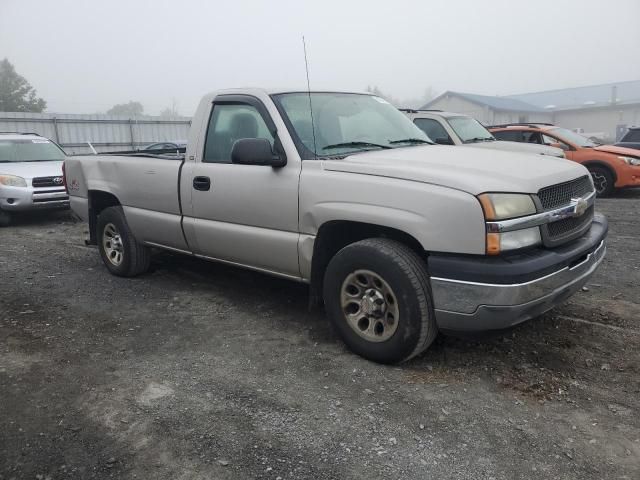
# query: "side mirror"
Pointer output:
{"type": "Point", "coordinates": [443, 141]}
{"type": "Point", "coordinates": [255, 151]}
{"type": "Point", "coordinates": [562, 146]}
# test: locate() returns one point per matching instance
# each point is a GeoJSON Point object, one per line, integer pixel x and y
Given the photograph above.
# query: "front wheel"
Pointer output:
{"type": "Point", "coordinates": [121, 253]}
{"type": "Point", "coordinates": [602, 181]}
{"type": "Point", "coordinates": [378, 297]}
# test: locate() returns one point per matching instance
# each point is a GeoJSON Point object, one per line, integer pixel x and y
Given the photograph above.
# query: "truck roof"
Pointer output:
{"type": "Point", "coordinates": [275, 91]}
{"type": "Point", "coordinates": [438, 113]}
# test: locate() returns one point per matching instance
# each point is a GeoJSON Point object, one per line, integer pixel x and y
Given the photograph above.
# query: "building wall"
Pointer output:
{"type": "Point", "coordinates": [509, 117]}
{"type": "Point", "coordinates": [456, 104]}
{"type": "Point", "coordinates": [599, 120]}
{"type": "Point", "coordinates": [484, 114]}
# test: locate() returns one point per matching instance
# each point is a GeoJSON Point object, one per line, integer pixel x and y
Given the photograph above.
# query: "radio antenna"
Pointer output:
{"type": "Point", "coordinates": [313, 128]}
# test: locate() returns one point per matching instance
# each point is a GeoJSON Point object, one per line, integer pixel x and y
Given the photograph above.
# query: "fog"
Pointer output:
{"type": "Point", "coordinates": [86, 56]}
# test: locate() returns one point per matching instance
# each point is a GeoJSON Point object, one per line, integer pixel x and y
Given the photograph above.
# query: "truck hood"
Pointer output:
{"type": "Point", "coordinates": [32, 169]}
{"type": "Point", "coordinates": [473, 170]}
{"type": "Point", "coordinates": [630, 152]}
{"type": "Point", "coordinates": [519, 147]}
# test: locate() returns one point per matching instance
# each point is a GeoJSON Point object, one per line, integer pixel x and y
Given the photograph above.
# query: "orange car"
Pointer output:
{"type": "Point", "coordinates": [611, 167]}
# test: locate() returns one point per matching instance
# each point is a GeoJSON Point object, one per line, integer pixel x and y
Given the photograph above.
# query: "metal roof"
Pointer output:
{"type": "Point", "coordinates": [606, 94]}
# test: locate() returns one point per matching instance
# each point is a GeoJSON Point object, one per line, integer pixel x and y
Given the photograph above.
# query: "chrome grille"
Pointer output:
{"type": "Point", "coordinates": [561, 194]}
{"type": "Point", "coordinates": [569, 226]}
{"type": "Point", "coordinates": [47, 182]}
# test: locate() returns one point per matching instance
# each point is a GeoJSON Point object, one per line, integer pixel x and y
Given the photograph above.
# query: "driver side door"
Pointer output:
{"type": "Point", "coordinates": [243, 214]}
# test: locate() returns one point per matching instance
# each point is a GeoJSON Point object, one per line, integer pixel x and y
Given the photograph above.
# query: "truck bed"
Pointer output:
{"type": "Point", "coordinates": [148, 181]}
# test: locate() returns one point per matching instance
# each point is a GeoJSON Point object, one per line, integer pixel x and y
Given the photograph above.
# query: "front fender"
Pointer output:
{"type": "Point", "coordinates": [441, 219]}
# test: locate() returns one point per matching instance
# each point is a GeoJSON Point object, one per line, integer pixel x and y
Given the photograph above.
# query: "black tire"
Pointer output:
{"type": "Point", "coordinates": [134, 257]}
{"type": "Point", "coordinates": [602, 180]}
{"type": "Point", "coordinates": [5, 218]}
{"type": "Point", "coordinates": [405, 273]}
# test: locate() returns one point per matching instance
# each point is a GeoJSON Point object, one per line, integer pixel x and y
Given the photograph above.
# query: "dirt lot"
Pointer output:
{"type": "Point", "coordinates": [199, 371]}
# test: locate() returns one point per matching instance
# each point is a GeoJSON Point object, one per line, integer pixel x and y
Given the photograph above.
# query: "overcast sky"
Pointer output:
{"type": "Point", "coordinates": [84, 56]}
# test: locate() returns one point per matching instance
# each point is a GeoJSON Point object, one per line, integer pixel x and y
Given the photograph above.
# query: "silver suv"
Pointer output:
{"type": "Point", "coordinates": [447, 128]}
{"type": "Point", "coordinates": [30, 175]}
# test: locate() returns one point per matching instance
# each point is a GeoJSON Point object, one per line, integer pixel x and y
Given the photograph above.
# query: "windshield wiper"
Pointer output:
{"type": "Point", "coordinates": [411, 140]}
{"type": "Point", "coordinates": [354, 144]}
{"type": "Point", "coordinates": [480, 139]}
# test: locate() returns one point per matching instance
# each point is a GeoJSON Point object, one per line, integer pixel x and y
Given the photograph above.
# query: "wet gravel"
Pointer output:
{"type": "Point", "coordinates": [201, 371]}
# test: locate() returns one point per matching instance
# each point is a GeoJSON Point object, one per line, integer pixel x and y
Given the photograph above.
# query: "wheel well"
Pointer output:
{"type": "Point", "coordinates": [335, 235]}
{"type": "Point", "coordinates": [598, 163]}
{"type": "Point", "coordinates": [98, 201]}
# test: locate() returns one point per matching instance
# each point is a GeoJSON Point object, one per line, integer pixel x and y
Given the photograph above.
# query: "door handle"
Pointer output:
{"type": "Point", "coordinates": [202, 183]}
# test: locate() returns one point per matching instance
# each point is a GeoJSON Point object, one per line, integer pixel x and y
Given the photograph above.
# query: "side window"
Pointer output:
{"type": "Point", "coordinates": [632, 136]}
{"type": "Point", "coordinates": [228, 123]}
{"type": "Point", "coordinates": [433, 129]}
{"type": "Point", "coordinates": [508, 135]}
{"type": "Point", "coordinates": [532, 137]}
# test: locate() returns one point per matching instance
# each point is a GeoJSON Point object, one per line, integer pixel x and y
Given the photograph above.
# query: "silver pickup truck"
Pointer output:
{"type": "Point", "coordinates": [30, 175]}
{"type": "Point", "coordinates": [398, 237]}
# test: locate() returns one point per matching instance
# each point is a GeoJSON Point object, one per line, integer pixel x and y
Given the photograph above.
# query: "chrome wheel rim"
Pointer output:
{"type": "Point", "coordinates": [112, 244]}
{"type": "Point", "coordinates": [369, 305]}
{"type": "Point", "coordinates": [599, 181]}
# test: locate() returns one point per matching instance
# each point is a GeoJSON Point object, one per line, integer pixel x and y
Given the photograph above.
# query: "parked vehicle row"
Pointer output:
{"type": "Point", "coordinates": [610, 166]}
{"type": "Point", "coordinates": [398, 237]}
{"type": "Point", "coordinates": [447, 128]}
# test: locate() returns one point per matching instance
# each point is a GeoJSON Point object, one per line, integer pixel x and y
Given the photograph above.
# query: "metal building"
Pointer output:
{"type": "Point", "coordinates": [601, 111]}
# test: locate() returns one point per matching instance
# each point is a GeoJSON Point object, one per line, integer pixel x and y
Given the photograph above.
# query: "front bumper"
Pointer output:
{"type": "Point", "coordinates": [496, 293]}
{"type": "Point", "coordinates": [628, 177]}
{"type": "Point", "coordinates": [16, 199]}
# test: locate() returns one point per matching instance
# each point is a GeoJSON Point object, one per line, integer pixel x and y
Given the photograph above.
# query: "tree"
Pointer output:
{"type": "Point", "coordinates": [131, 109]}
{"type": "Point", "coordinates": [16, 95]}
{"type": "Point", "coordinates": [428, 95]}
{"type": "Point", "coordinates": [379, 93]}
{"type": "Point", "coordinates": [171, 111]}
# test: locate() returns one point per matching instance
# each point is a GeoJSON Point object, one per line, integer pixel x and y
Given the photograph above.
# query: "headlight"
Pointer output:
{"type": "Point", "coordinates": [630, 160]}
{"type": "Point", "coordinates": [12, 181]}
{"type": "Point", "coordinates": [503, 206]}
{"type": "Point", "coordinates": [501, 242]}
{"type": "Point", "coordinates": [500, 206]}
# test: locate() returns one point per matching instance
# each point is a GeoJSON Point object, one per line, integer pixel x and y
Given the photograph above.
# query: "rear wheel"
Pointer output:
{"type": "Point", "coordinates": [5, 218]}
{"type": "Point", "coordinates": [121, 253]}
{"type": "Point", "coordinates": [378, 297]}
{"type": "Point", "coordinates": [602, 180]}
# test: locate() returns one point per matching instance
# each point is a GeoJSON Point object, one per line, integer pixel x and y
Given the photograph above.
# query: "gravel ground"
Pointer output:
{"type": "Point", "coordinates": [201, 371]}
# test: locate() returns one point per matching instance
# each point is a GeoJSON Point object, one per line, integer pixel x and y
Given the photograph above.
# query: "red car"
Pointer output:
{"type": "Point", "coordinates": [611, 167]}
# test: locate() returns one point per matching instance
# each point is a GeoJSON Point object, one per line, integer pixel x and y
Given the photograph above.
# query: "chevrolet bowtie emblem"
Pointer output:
{"type": "Point", "coordinates": [580, 207]}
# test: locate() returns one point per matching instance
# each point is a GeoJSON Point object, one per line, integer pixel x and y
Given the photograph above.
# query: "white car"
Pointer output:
{"type": "Point", "coordinates": [447, 128]}
{"type": "Point", "coordinates": [30, 175]}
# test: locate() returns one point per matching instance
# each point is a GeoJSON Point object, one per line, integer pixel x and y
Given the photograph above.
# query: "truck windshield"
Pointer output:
{"type": "Point", "coordinates": [29, 150]}
{"type": "Point", "coordinates": [345, 123]}
{"type": "Point", "coordinates": [470, 130]}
